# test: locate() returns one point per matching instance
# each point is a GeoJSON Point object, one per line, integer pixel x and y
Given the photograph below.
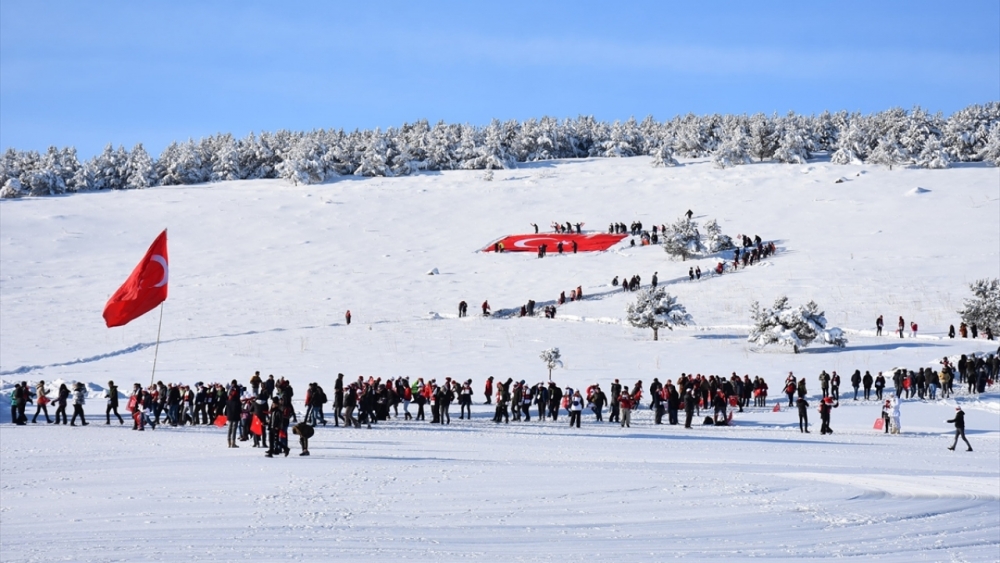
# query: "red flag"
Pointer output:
{"type": "Point", "coordinates": [144, 289]}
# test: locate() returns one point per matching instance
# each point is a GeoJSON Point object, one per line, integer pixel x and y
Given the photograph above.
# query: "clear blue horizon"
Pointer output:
{"type": "Point", "coordinates": [89, 74]}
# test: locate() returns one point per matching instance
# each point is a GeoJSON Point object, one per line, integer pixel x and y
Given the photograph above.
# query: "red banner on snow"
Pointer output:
{"type": "Point", "coordinates": [530, 243]}
{"type": "Point", "coordinates": [144, 289]}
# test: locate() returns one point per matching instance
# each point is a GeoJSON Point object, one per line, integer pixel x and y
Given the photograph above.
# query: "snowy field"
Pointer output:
{"type": "Point", "coordinates": [262, 273]}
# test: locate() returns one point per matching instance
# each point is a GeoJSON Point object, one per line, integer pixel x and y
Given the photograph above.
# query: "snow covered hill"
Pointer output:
{"type": "Point", "coordinates": [262, 273]}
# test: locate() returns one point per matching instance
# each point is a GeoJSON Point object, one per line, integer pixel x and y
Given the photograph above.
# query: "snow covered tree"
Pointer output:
{"type": "Point", "coordinates": [933, 154]}
{"type": "Point", "coordinates": [717, 241]}
{"type": "Point", "coordinates": [888, 152]}
{"type": "Point", "coordinates": [552, 359]}
{"type": "Point", "coordinates": [683, 239]}
{"type": "Point", "coordinates": [663, 155]}
{"type": "Point", "coordinates": [761, 142]}
{"type": "Point", "coordinates": [225, 159]}
{"type": "Point", "coordinates": [139, 171]}
{"type": "Point", "coordinates": [792, 327]}
{"type": "Point", "coordinates": [733, 150]}
{"type": "Point", "coordinates": [12, 188]}
{"type": "Point", "coordinates": [991, 153]}
{"type": "Point", "coordinates": [852, 144]}
{"type": "Point", "coordinates": [655, 308]}
{"type": "Point", "coordinates": [983, 309]}
{"type": "Point", "coordinates": [793, 144]}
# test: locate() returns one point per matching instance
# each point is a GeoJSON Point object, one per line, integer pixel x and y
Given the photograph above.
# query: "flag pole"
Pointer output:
{"type": "Point", "coordinates": [156, 351]}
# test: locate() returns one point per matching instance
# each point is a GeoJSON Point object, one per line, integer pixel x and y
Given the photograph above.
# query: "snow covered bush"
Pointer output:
{"type": "Point", "coordinates": [683, 239]}
{"type": "Point", "coordinates": [552, 359]}
{"type": "Point", "coordinates": [983, 309]}
{"type": "Point", "coordinates": [12, 188]}
{"type": "Point", "coordinates": [655, 308]}
{"type": "Point", "coordinates": [791, 327]}
{"type": "Point", "coordinates": [717, 241]}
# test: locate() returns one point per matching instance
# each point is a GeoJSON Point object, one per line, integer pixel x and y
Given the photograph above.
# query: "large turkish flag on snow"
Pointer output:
{"type": "Point", "coordinates": [584, 243]}
{"type": "Point", "coordinates": [144, 289]}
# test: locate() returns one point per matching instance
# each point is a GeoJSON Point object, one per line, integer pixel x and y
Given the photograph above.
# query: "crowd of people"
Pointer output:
{"type": "Point", "coordinates": [264, 413]}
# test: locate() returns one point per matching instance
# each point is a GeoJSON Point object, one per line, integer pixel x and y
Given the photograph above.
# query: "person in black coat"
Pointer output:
{"type": "Point", "coordinates": [867, 381]}
{"type": "Point", "coordinates": [689, 403]}
{"type": "Point", "coordinates": [616, 390]}
{"type": "Point", "coordinates": [959, 422]}
{"type": "Point", "coordinates": [233, 412]}
{"type": "Point", "coordinates": [275, 425]}
{"type": "Point", "coordinates": [856, 382]}
{"type": "Point", "coordinates": [304, 431]}
{"type": "Point", "coordinates": [112, 394]}
{"type": "Point", "coordinates": [803, 406]}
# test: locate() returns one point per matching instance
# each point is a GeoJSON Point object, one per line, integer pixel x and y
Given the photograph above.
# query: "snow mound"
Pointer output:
{"type": "Point", "coordinates": [917, 191]}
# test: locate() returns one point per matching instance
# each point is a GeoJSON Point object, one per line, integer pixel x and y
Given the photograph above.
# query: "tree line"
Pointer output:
{"type": "Point", "coordinates": [894, 137]}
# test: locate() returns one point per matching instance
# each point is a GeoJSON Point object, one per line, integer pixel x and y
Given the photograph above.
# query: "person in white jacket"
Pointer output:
{"type": "Point", "coordinates": [895, 426]}
{"type": "Point", "coordinates": [575, 409]}
{"type": "Point", "coordinates": [79, 399]}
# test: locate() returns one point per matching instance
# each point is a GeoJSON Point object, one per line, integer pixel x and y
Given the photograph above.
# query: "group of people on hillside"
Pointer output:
{"type": "Point", "coordinates": [963, 329]}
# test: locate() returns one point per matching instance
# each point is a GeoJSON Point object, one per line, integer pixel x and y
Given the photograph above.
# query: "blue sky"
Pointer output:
{"type": "Point", "coordinates": [89, 73]}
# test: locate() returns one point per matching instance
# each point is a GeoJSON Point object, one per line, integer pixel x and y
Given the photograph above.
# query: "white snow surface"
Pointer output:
{"type": "Point", "coordinates": [262, 273]}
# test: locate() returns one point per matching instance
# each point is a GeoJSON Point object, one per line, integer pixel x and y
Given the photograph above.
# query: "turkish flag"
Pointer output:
{"type": "Point", "coordinates": [144, 289]}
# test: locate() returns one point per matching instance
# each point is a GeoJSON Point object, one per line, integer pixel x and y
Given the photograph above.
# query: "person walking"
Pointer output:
{"type": "Point", "coordinates": [41, 402]}
{"type": "Point", "coordinates": [959, 422]}
{"type": "Point", "coordinates": [825, 407]}
{"type": "Point", "coordinates": [111, 393]}
{"type": "Point", "coordinates": [79, 399]}
{"type": "Point", "coordinates": [61, 400]}
{"type": "Point", "coordinates": [347, 316]}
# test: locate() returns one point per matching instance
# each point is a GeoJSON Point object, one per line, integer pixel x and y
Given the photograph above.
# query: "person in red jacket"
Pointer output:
{"type": "Point", "coordinates": [625, 403]}
{"type": "Point", "coordinates": [489, 389]}
{"type": "Point", "coordinates": [486, 308]}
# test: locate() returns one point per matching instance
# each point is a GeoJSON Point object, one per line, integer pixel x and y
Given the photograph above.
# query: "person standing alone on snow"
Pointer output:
{"type": "Point", "coordinates": [959, 422]}
{"type": "Point", "coordinates": [879, 323]}
{"type": "Point", "coordinates": [347, 316]}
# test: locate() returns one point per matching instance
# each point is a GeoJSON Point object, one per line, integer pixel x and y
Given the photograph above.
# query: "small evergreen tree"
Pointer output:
{"type": "Point", "coordinates": [791, 327]}
{"type": "Point", "coordinates": [683, 239]}
{"type": "Point", "coordinates": [664, 156]}
{"type": "Point", "coordinates": [717, 241]}
{"type": "Point", "coordinates": [983, 309]}
{"type": "Point", "coordinates": [552, 359]}
{"type": "Point", "coordinates": [655, 308]}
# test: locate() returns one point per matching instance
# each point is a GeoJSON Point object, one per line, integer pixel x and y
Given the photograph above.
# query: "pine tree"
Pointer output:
{"type": "Point", "coordinates": [655, 308]}
{"type": "Point", "coordinates": [761, 142]}
{"type": "Point", "coordinates": [683, 239]}
{"type": "Point", "coordinates": [793, 145]}
{"type": "Point", "coordinates": [139, 171]}
{"type": "Point", "coordinates": [933, 154]}
{"type": "Point", "coordinates": [664, 156]}
{"type": "Point", "coordinates": [717, 242]}
{"type": "Point", "coordinates": [983, 309]}
{"type": "Point", "coordinates": [552, 359]}
{"type": "Point", "coordinates": [791, 327]}
{"type": "Point", "coordinates": [991, 152]}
